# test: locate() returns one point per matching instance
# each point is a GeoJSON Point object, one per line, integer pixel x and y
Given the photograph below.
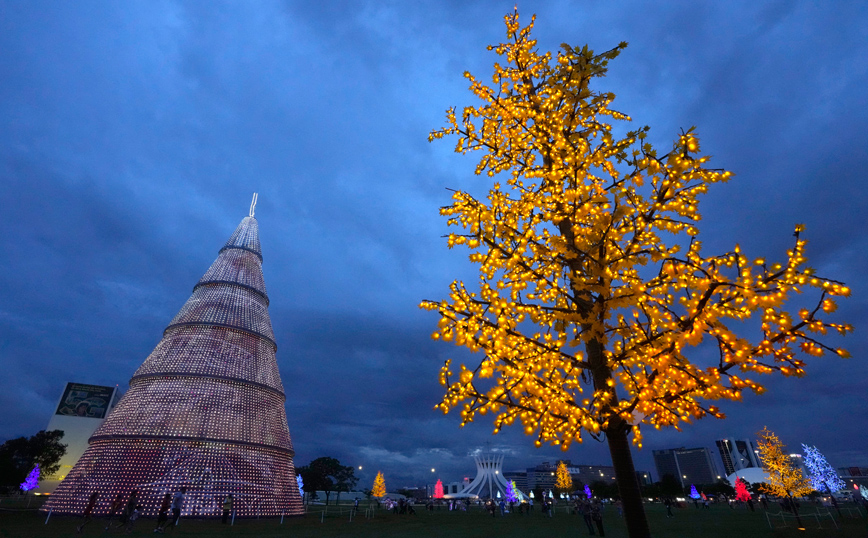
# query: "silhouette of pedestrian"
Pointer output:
{"type": "Point", "coordinates": [163, 514]}
{"type": "Point", "coordinates": [88, 511]}
{"type": "Point", "coordinates": [597, 516]}
{"type": "Point", "coordinates": [227, 508]}
{"type": "Point", "coordinates": [585, 510]}
{"type": "Point", "coordinates": [116, 507]}
{"type": "Point", "coordinates": [132, 502]}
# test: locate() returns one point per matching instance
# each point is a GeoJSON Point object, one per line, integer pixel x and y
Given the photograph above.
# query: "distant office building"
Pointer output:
{"type": "Point", "coordinates": [737, 454]}
{"type": "Point", "coordinates": [644, 478]}
{"type": "Point", "coordinates": [79, 412]}
{"type": "Point", "coordinates": [799, 461]}
{"type": "Point", "coordinates": [687, 465]}
{"type": "Point", "coordinates": [861, 472]}
{"type": "Point", "coordinates": [588, 474]}
{"type": "Point", "coordinates": [854, 475]}
{"type": "Point", "coordinates": [544, 475]}
{"type": "Point", "coordinates": [417, 493]}
{"type": "Point", "coordinates": [519, 477]}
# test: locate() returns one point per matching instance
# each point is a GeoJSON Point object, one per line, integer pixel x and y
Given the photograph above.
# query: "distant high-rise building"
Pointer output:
{"type": "Point", "coordinates": [588, 474]}
{"type": "Point", "coordinates": [799, 462]}
{"type": "Point", "coordinates": [205, 410]}
{"type": "Point", "coordinates": [544, 475]}
{"type": "Point", "coordinates": [737, 454]}
{"type": "Point", "coordinates": [519, 477]}
{"type": "Point", "coordinates": [687, 465]}
{"type": "Point", "coordinates": [854, 476]}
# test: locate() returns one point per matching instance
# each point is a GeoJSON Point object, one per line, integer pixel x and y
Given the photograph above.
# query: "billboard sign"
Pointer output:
{"type": "Point", "coordinates": [88, 401]}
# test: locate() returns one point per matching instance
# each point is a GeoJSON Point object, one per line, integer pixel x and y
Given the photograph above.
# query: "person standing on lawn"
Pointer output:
{"type": "Point", "coordinates": [227, 508]}
{"type": "Point", "coordinates": [585, 511]}
{"type": "Point", "coordinates": [597, 516]}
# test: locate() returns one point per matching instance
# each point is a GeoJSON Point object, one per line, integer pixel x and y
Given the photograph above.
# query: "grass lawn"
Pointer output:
{"type": "Point", "coordinates": [717, 522]}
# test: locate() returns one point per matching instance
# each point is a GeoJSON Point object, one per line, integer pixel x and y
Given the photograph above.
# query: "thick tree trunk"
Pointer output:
{"type": "Point", "coordinates": [796, 512]}
{"type": "Point", "coordinates": [628, 484]}
{"type": "Point", "coordinates": [834, 500]}
{"type": "Point", "coordinates": [619, 447]}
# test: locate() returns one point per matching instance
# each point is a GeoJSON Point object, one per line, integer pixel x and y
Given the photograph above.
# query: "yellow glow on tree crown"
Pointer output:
{"type": "Point", "coordinates": [379, 489]}
{"type": "Point", "coordinates": [564, 480]}
{"type": "Point", "coordinates": [593, 289]}
{"type": "Point", "coordinates": [785, 478]}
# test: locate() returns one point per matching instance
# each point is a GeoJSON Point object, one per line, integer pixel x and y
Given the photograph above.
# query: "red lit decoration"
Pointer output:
{"type": "Point", "coordinates": [205, 410]}
{"type": "Point", "coordinates": [741, 492]}
{"type": "Point", "coordinates": [438, 489]}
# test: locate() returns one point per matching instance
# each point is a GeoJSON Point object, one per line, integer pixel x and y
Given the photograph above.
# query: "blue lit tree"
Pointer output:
{"type": "Point", "coordinates": [587, 491]}
{"type": "Point", "coordinates": [693, 493]}
{"type": "Point", "coordinates": [822, 476]}
{"type": "Point", "coordinates": [32, 480]}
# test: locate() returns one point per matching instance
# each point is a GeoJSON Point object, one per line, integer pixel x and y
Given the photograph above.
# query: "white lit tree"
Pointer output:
{"type": "Point", "coordinates": [822, 476]}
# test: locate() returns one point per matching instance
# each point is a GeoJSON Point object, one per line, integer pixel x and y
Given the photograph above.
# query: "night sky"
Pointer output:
{"type": "Point", "coordinates": [134, 134]}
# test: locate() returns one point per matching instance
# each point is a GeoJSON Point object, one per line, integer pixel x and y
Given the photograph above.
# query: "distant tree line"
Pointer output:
{"type": "Point", "coordinates": [326, 474]}
{"type": "Point", "coordinates": [19, 456]}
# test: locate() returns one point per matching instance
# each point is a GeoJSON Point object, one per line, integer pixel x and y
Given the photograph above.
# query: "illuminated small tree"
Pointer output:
{"type": "Point", "coordinates": [693, 493]}
{"type": "Point", "coordinates": [741, 492]}
{"type": "Point", "coordinates": [564, 482]}
{"type": "Point", "coordinates": [593, 287]}
{"type": "Point", "coordinates": [511, 495]}
{"type": "Point", "coordinates": [438, 489]}
{"type": "Point", "coordinates": [588, 493]}
{"type": "Point", "coordinates": [32, 479]}
{"type": "Point", "coordinates": [785, 479]}
{"type": "Point", "coordinates": [822, 476]}
{"type": "Point", "coordinates": [379, 489]}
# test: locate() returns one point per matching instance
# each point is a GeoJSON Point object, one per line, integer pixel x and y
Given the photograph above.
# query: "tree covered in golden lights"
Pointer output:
{"type": "Point", "coordinates": [785, 478]}
{"type": "Point", "coordinates": [564, 482]}
{"type": "Point", "coordinates": [379, 489]}
{"type": "Point", "coordinates": [593, 287]}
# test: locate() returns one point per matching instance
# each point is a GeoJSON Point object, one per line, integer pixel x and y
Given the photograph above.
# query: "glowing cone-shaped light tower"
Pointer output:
{"type": "Point", "coordinates": [205, 410]}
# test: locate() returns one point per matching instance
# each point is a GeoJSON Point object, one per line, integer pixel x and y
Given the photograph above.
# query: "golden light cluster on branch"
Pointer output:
{"type": "Point", "coordinates": [785, 478]}
{"type": "Point", "coordinates": [593, 287]}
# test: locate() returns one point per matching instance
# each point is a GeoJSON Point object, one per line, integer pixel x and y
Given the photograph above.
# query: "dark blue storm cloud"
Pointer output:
{"type": "Point", "coordinates": [133, 135]}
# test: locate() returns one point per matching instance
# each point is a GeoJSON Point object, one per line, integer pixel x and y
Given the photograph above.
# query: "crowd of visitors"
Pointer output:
{"type": "Point", "coordinates": [128, 512]}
